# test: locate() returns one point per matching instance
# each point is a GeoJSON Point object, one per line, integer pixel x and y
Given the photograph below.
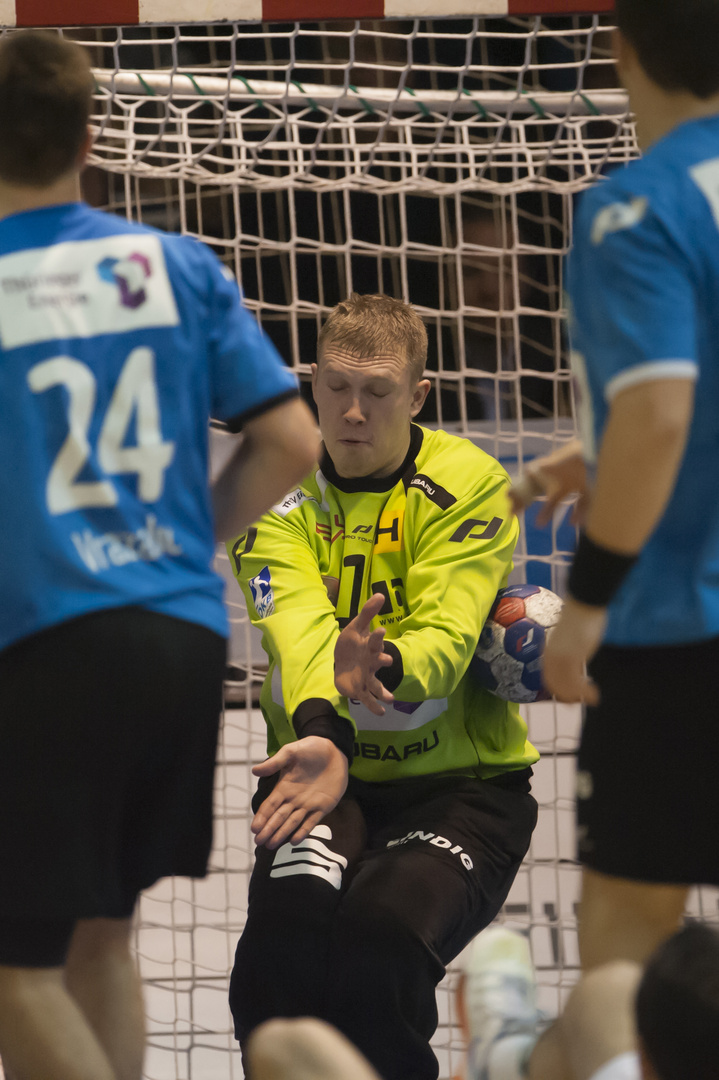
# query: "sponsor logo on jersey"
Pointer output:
{"type": "Point", "coordinates": [243, 545]}
{"type": "Point", "coordinates": [617, 217]}
{"type": "Point", "coordinates": [398, 715]}
{"type": "Point", "coordinates": [488, 530]}
{"type": "Point", "coordinates": [81, 288]}
{"type": "Point", "coordinates": [364, 533]}
{"type": "Point", "coordinates": [332, 532]}
{"type": "Point", "coordinates": [129, 275]}
{"type": "Point", "coordinates": [312, 857]}
{"type": "Point", "coordinates": [375, 752]}
{"type": "Point", "coordinates": [436, 841]}
{"type": "Point", "coordinates": [439, 495]}
{"type": "Point", "coordinates": [291, 502]}
{"type": "Point", "coordinates": [388, 536]}
{"type": "Point", "coordinates": [147, 544]}
{"type": "Point", "coordinates": [262, 595]}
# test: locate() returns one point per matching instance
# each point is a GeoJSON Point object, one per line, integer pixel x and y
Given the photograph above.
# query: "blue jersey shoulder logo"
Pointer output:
{"type": "Point", "coordinates": [618, 216]}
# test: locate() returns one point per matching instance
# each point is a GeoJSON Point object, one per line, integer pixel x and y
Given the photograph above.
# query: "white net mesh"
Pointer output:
{"type": "Point", "coordinates": [435, 160]}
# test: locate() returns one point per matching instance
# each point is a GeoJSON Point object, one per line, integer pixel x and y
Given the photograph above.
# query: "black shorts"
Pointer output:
{"type": "Point", "coordinates": [108, 737]}
{"type": "Point", "coordinates": [356, 924]}
{"type": "Point", "coordinates": [647, 787]}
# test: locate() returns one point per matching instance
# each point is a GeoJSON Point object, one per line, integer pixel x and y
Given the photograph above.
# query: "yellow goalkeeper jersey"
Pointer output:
{"type": "Point", "coordinates": [436, 539]}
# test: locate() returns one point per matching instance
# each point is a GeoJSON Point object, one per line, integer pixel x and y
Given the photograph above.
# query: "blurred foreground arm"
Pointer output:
{"type": "Point", "coordinates": [304, 1049]}
{"type": "Point", "coordinates": [641, 452]}
{"type": "Point", "coordinates": [640, 455]}
{"type": "Point", "coordinates": [278, 449]}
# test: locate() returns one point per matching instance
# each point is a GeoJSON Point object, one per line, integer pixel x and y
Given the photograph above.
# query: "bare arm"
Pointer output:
{"type": "Point", "coordinates": [642, 448]}
{"type": "Point", "coordinates": [277, 450]}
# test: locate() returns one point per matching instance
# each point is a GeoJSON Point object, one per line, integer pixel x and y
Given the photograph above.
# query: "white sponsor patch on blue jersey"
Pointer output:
{"type": "Point", "coordinates": [149, 543]}
{"type": "Point", "coordinates": [262, 594]}
{"type": "Point", "coordinates": [82, 288]}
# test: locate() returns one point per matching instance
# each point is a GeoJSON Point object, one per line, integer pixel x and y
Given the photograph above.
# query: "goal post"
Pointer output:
{"type": "Point", "coordinates": [435, 159]}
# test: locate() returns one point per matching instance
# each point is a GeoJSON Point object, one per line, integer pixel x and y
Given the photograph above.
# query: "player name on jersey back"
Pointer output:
{"type": "Point", "coordinates": [82, 288]}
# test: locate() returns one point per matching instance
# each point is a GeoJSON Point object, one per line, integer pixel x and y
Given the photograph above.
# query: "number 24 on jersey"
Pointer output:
{"type": "Point", "coordinates": [135, 394]}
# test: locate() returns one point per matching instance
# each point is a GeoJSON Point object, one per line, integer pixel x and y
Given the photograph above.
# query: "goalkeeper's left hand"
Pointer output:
{"type": "Point", "coordinates": [359, 656]}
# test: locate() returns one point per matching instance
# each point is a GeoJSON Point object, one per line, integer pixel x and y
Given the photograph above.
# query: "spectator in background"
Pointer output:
{"type": "Point", "coordinates": [500, 338]}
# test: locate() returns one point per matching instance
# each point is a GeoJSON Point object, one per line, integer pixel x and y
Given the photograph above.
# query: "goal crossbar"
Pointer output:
{"type": "Point", "coordinates": [183, 87]}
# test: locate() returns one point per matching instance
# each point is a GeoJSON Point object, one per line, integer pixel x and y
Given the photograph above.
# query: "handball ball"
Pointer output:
{"type": "Point", "coordinates": [508, 658]}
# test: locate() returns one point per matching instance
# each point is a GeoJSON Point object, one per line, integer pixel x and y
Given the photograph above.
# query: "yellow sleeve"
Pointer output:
{"type": "Point", "coordinates": [278, 572]}
{"type": "Point", "coordinates": [459, 560]}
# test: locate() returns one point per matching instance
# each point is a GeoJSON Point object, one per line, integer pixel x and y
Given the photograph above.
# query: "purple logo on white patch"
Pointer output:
{"type": "Point", "coordinates": [129, 275]}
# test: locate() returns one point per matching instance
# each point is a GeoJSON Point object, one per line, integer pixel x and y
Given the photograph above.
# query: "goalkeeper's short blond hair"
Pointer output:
{"type": "Point", "coordinates": [46, 88]}
{"type": "Point", "coordinates": [375, 324]}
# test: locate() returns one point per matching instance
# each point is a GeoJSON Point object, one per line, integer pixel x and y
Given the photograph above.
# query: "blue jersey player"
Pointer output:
{"type": "Point", "coordinates": [117, 343]}
{"type": "Point", "coordinates": [643, 283]}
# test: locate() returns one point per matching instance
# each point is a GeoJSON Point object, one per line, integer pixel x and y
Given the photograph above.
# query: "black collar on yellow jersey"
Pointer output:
{"type": "Point", "coordinates": [376, 483]}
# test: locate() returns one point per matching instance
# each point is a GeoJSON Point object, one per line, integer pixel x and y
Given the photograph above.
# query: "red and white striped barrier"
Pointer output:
{"type": "Point", "coordinates": [128, 12]}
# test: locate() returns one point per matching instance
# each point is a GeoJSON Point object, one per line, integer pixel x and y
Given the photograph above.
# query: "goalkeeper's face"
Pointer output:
{"type": "Point", "coordinates": [365, 406]}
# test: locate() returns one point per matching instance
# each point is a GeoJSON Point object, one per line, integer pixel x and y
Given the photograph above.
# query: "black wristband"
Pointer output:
{"type": "Point", "coordinates": [317, 716]}
{"type": "Point", "coordinates": [597, 573]}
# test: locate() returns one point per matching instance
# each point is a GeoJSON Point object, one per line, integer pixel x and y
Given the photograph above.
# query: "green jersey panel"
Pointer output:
{"type": "Point", "coordinates": [436, 540]}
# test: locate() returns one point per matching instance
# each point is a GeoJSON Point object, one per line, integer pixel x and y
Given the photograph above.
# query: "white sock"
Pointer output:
{"type": "Point", "coordinates": [509, 1057]}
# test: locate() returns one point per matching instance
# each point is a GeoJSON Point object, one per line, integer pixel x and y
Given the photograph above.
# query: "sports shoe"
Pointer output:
{"type": "Point", "coordinates": [498, 1002]}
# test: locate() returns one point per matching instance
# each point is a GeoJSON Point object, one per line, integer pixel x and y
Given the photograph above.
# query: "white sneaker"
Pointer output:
{"type": "Point", "coordinates": [498, 997]}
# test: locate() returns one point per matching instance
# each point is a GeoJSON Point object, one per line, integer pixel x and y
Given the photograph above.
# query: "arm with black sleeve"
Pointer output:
{"type": "Point", "coordinates": [459, 558]}
{"type": "Point", "coordinates": [280, 576]}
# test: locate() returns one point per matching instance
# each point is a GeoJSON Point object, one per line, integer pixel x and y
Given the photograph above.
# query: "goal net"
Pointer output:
{"type": "Point", "coordinates": [436, 160]}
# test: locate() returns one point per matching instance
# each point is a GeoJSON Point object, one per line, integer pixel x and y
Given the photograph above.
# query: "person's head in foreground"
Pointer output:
{"type": "Point", "coordinates": [677, 1008]}
{"type": "Point", "coordinates": [667, 60]}
{"type": "Point", "coordinates": [367, 383]}
{"type": "Point", "coordinates": [46, 88]}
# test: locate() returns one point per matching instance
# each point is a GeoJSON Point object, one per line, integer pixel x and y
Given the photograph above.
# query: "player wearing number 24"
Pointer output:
{"type": "Point", "coordinates": [117, 343]}
{"type": "Point", "coordinates": [394, 809]}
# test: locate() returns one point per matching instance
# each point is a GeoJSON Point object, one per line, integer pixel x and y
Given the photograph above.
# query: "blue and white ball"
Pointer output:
{"type": "Point", "coordinates": [508, 658]}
